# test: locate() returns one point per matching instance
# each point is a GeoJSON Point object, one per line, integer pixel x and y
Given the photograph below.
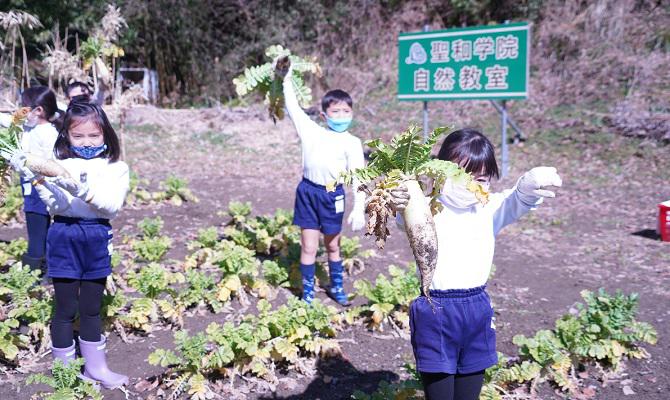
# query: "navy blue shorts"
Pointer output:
{"type": "Point", "coordinates": [31, 199]}
{"type": "Point", "coordinates": [457, 335]}
{"type": "Point", "coordinates": [79, 248]}
{"type": "Point", "coordinates": [316, 208]}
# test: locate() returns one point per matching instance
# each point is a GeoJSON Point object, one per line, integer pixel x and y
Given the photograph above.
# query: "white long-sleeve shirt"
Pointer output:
{"type": "Point", "coordinates": [5, 120]}
{"type": "Point", "coordinates": [108, 184]}
{"type": "Point", "coordinates": [40, 140]}
{"type": "Point", "coordinates": [466, 238]}
{"type": "Point", "coordinates": [325, 153]}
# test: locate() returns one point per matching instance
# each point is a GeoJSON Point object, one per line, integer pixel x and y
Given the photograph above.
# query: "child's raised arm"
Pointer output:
{"type": "Point", "coordinates": [528, 193]}
{"type": "Point", "coordinates": [303, 123]}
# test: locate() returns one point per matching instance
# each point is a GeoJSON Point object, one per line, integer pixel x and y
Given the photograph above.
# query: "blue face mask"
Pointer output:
{"type": "Point", "coordinates": [338, 124]}
{"type": "Point", "coordinates": [88, 152]}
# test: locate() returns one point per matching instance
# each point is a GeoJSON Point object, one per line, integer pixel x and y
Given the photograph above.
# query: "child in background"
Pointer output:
{"type": "Point", "coordinates": [40, 133]}
{"type": "Point", "coordinates": [455, 341]}
{"type": "Point", "coordinates": [326, 152]}
{"type": "Point", "coordinates": [78, 91]}
{"type": "Point", "coordinates": [79, 241]}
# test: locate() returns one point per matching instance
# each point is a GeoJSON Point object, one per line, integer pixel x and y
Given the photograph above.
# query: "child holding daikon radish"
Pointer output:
{"type": "Point", "coordinates": [326, 152]}
{"type": "Point", "coordinates": [453, 336]}
{"type": "Point", "coordinates": [40, 133]}
{"type": "Point", "coordinates": [79, 241]}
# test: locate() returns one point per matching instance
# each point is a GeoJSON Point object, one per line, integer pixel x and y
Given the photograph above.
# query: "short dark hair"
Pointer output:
{"type": "Point", "coordinates": [42, 96]}
{"type": "Point", "coordinates": [471, 149]}
{"type": "Point", "coordinates": [77, 112]}
{"type": "Point", "coordinates": [78, 84]}
{"type": "Point", "coordinates": [335, 96]}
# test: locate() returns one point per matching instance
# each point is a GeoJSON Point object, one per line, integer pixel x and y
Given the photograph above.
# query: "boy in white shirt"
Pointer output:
{"type": "Point", "coordinates": [326, 152]}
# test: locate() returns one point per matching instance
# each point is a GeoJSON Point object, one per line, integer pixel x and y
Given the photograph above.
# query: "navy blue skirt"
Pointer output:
{"type": "Point", "coordinates": [79, 248]}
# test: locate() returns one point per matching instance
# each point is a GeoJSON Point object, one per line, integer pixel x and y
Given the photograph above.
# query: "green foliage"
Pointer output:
{"type": "Point", "coordinates": [407, 155]}
{"type": "Point", "coordinates": [262, 79]}
{"type": "Point", "coordinates": [233, 259]}
{"type": "Point", "coordinates": [153, 280]}
{"type": "Point", "coordinates": [277, 274]}
{"type": "Point", "coordinates": [253, 345]}
{"type": "Point", "coordinates": [239, 211]}
{"type": "Point", "coordinates": [207, 238]}
{"type": "Point", "coordinates": [151, 227]}
{"type": "Point", "coordinates": [13, 202]}
{"type": "Point", "coordinates": [66, 383]}
{"type": "Point", "coordinates": [605, 328]}
{"type": "Point", "coordinates": [152, 246]}
{"type": "Point", "coordinates": [389, 298]}
{"type": "Point", "coordinates": [23, 300]}
{"type": "Point", "coordinates": [152, 249]}
{"type": "Point", "coordinates": [176, 190]}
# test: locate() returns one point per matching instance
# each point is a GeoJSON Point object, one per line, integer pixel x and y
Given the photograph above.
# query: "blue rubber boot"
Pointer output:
{"type": "Point", "coordinates": [307, 282]}
{"type": "Point", "coordinates": [336, 289]}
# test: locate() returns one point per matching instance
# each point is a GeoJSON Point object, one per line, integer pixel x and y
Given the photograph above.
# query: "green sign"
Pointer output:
{"type": "Point", "coordinates": [484, 62]}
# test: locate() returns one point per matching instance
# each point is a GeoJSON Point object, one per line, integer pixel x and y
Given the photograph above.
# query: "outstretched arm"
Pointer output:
{"type": "Point", "coordinates": [528, 193]}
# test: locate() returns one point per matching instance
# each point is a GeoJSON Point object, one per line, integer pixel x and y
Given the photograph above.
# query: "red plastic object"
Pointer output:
{"type": "Point", "coordinates": [664, 221]}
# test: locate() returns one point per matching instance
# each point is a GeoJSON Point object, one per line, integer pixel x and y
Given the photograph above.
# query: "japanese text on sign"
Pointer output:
{"type": "Point", "coordinates": [469, 63]}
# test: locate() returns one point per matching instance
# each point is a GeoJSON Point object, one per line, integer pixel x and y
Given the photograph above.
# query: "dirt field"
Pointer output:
{"type": "Point", "coordinates": [598, 232]}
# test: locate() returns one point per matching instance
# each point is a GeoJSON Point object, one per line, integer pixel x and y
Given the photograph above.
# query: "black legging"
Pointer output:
{"type": "Point", "coordinates": [74, 295]}
{"type": "Point", "coordinates": [37, 225]}
{"type": "Point", "coordinates": [452, 387]}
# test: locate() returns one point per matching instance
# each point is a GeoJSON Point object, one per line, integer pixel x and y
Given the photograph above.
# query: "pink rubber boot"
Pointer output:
{"type": "Point", "coordinates": [96, 364]}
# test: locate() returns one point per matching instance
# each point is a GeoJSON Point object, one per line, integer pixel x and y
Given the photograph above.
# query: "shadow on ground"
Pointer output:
{"type": "Point", "coordinates": [648, 234]}
{"type": "Point", "coordinates": [337, 378]}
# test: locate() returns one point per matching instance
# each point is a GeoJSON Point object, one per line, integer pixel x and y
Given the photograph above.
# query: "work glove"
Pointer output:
{"type": "Point", "coordinates": [18, 163]}
{"type": "Point", "coordinates": [357, 218]}
{"type": "Point", "coordinates": [534, 182]}
{"type": "Point", "coordinates": [76, 189]}
{"type": "Point", "coordinates": [399, 198]}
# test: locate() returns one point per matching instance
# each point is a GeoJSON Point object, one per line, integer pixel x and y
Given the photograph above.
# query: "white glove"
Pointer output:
{"type": "Point", "coordinates": [357, 218]}
{"type": "Point", "coordinates": [76, 189]}
{"type": "Point", "coordinates": [399, 198]}
{"type": "Point", "coordinates": [533, 182]}
{"type": "Point", "coordinates": [18, 163]}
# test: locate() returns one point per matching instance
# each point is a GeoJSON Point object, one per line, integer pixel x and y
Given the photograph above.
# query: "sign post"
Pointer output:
{"type": "Point", "coordinates": [485, 63]}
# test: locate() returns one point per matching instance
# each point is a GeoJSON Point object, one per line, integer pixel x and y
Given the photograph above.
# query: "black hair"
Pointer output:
{"type": "Point", "coordinates": [472, 150]}
{"type": "Point", "coordinates": [77, 112]}
{"type": "Point", "coordinates": [335, 96]}
{"type": "Point", "coordinates": [86, 90]}
{"type": "Point", "coordinates": [42, 96]}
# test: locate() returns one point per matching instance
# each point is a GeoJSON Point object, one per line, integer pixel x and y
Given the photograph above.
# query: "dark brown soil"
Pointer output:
{"type": "Point", "coordinates": [598, 232]}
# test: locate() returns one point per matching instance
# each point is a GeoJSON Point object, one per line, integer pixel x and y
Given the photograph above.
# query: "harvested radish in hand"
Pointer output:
{"type": "Point", "coordinates": [10, 146]}
{"type": "Point", "coordinates": [263, 79]}
{"type": "Point", "coordinates": [406, 160]}
{"type": "Point", "coordinates": [10, 141]}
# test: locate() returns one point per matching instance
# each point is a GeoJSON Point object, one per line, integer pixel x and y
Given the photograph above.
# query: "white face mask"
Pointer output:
{"type": "Point", "coordinates": [457, 195]}
{"type": "Point", "coordinates": [31, 119]}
